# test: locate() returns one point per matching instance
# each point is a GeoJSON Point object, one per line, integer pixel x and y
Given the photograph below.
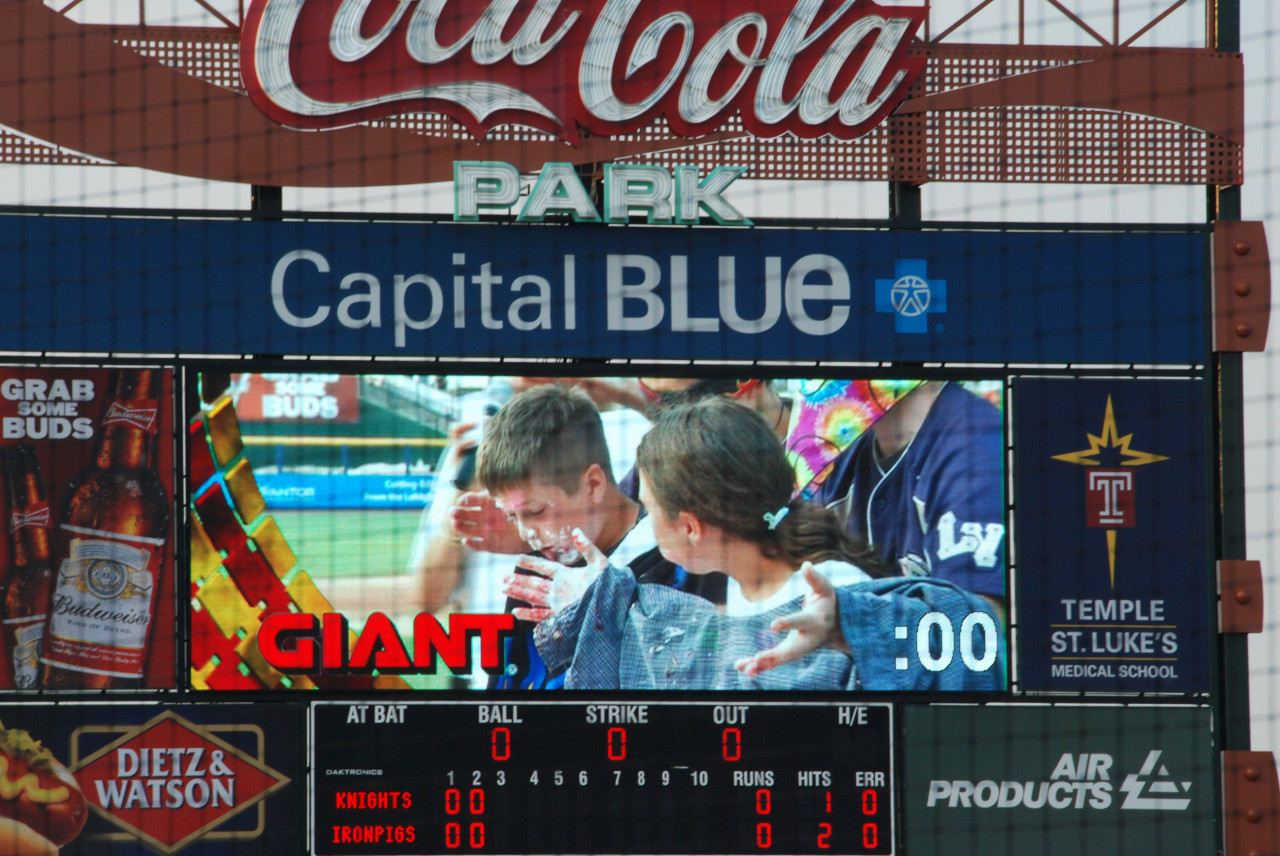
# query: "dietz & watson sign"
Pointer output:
{"type": "Point", "coordinates": [806, 67]}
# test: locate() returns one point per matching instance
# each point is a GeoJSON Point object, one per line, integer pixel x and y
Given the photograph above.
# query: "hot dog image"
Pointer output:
{"type": "Point", "coordinates": [41, 806]}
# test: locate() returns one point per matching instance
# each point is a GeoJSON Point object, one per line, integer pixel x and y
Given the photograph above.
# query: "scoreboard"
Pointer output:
{"type": "Point", "coordinates": [600, 519]}
{"type": "Point", "coordinates": [607, 777]}
{"type": "Point", "coordinates": [318, 662]}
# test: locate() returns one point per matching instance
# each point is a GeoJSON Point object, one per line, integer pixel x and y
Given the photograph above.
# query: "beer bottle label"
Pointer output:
{"type": "Point", "coordinates": [36, 514]}
{"type": "Point", "coordinates": [27, 635]}
{"type": "Point", "coordinates": [101, 610]}
{"type": "Point", "coordinates": [141, 413]}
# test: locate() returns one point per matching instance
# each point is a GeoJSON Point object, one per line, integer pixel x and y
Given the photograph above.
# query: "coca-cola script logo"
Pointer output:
{"type": "Point", "coordinates": [169, 781]}
{"type": "Point", "coordinates": [808, 67]}
{"type": "Point", "coordinates": [138, 417]}
{"type": "Point", "coordinates": [36, 516]}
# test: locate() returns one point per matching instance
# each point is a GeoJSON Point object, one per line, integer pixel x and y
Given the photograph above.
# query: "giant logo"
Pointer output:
{"type": "Point", "coordinates": [806, 67]}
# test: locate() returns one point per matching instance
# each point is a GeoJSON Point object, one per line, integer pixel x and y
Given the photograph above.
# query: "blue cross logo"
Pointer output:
{"type": "Point", "coordinates": [911, 295]}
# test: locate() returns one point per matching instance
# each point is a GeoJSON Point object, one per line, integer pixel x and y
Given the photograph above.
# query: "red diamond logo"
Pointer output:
{"type": "Point", "coordinates": [169, 781]}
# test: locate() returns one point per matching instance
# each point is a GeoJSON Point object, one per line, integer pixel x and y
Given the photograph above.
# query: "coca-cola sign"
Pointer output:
{"type": "Point", "coordinates": [805, 67]}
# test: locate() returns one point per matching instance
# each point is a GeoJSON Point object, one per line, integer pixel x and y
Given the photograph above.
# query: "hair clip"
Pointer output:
{"type": "Point", "coordinates": [773, 518]}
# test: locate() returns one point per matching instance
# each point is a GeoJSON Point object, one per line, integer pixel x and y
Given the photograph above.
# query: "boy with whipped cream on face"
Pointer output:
{"type": "Point", "coordinates": [545, 461]}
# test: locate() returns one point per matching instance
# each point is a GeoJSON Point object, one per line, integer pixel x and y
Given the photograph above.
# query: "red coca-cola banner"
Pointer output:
{"type": "Point", "coordinates": [805, 67]}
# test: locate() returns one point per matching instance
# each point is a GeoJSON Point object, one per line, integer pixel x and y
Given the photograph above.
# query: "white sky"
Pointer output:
{"type": "Point", "coordinates": [101, 186]}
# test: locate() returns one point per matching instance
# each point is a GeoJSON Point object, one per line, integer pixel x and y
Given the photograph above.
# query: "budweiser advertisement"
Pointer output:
{"type": "Point", "coordinates": [87, 561]}
{"type": "Point", "coordinates": [123, 779]}
{"type": "Point", "coordinates": [809, 68]}
{"type": "Point", "coordinates": [456, 536]}
{"type": "Point", "coordinates": [312, 398]}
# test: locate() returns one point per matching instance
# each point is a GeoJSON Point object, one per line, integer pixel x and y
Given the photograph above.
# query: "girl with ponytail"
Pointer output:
{"type": "Point", "coordinates": [718, 488]}
{"type": "Point", "coordinates": [809, 606]}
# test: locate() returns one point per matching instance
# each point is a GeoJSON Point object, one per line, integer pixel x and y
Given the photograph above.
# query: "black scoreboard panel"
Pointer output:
{"type": "Point", "coordinates": [608, 776]}
{"type": "Point", "coordinates": [1072, 710]}
{"type": "Point", "coordinates": [1107, 596]}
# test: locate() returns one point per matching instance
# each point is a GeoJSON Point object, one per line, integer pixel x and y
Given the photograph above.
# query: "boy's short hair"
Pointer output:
{"type": "Point", "coordinates": [548, 434]}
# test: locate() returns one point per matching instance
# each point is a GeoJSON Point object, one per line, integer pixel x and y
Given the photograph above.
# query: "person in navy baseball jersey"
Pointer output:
{"type": "Point", "coordinates": [925, 488]}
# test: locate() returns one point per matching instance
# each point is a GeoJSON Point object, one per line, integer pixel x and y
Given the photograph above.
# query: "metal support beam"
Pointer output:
{"type": "Point", "coordinates": [904, 204]}
{"type": "Point", "coordinates": [1224, 205]}
{"type": "Point", "coordinates": [266, 200]}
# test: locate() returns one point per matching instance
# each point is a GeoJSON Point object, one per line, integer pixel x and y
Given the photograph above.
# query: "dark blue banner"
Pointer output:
{"type": "Point", "coordinates": [1113, 556]}
{"type": "Point", "coordinates": [336, 289]}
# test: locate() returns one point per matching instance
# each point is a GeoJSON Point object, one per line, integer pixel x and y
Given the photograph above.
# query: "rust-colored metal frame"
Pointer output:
{"type": "Point", "coordinates": [1108, 113]}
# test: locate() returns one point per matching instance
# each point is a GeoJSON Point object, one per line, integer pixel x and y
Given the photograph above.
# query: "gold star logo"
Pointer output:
{"type": "Point", "coordinates": [1110, 438]}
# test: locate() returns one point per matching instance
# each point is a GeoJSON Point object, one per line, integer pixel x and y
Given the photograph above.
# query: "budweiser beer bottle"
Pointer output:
{"type": "Point", "coordinates": [30, 580]}
{"type": "Point", "coordinates": [111, 548]}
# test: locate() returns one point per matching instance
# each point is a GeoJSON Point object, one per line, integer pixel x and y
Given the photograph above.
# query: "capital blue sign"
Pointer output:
{"type": "Point", "coordinates": [596, 291]}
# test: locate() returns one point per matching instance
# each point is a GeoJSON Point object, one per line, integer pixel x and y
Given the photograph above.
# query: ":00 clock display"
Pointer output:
{"type": "Point", "coordinates": [548, 777]}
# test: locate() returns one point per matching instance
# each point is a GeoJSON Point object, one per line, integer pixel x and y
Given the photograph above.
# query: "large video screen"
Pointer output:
{"type": "Point", "coordinates": [702, 532]}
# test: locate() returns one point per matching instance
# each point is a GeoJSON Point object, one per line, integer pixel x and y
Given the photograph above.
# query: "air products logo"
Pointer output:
{"type": "Point", "coordinates": [1078, 782]}
{"type": "Point", "coordinates": [1140, 788]}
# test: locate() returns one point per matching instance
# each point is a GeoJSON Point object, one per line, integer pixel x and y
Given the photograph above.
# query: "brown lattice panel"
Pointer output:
{"type": "Point", "coordinates": [15, 148]}
{"type": "Point", "coordinates": [1068, 138]}
{"type": "Point", "coordinates": [213, 55]}
{"type": "Point", "coordinates": [1100, 147]}
{"type": "Point", "coordinates": [868, 158]}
